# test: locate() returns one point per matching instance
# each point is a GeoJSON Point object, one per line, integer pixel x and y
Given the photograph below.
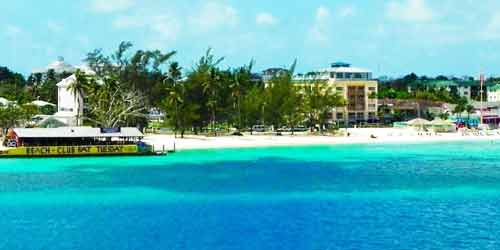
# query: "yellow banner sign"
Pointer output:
{"type": "Point", "coordinates": [72, 150]}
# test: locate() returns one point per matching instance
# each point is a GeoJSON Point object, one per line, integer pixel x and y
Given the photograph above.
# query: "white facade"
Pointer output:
{"type": "Point", "coordinates": [494, 93]}
{"type": "Point", "coordinates": [69, 106]}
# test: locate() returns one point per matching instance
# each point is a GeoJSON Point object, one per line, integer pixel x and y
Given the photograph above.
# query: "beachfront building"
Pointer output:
{"type": "Point", "coordinates": [269, 74]}
{"type": "Point", "coordinates": [356, 85]}
{"type": "Point", "coordinates": [74, 141]}
{"type": "Point", "coordinates": [463, 88]}
{"type": "Point", "coordinates": [394, 110]}
{"type": "Point", "coordinates": [69, 104]}
{"type": "Point", "coordinates": [493, 93]}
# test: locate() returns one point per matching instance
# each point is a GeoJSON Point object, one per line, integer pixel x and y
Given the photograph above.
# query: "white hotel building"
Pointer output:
{"type": "Point", "coordinates": [356, 85]}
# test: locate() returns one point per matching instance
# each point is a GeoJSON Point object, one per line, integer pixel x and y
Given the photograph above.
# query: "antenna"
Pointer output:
{"type": "Point", "coordinates": [481, 91]}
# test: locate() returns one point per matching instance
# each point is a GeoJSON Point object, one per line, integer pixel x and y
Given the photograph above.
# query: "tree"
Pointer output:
{"type": "Point", "coordinates": [460, 107]}
{"type": "Point", "coordinates": [320, 100]}
{"type": "Point", "coordinates": [16, 116]}
{"type": "Point", "coordinates": [205, 83]}
{"type": "Point", "coordinates": [280, 106]}
{"type": "Point", "coordinates": [241, 78]}
{"type": "Point", "coordinates": [469, 109]}
{"type": "Point", "coordinates": [77, 88]}
{"type": "Point", "coordinates": [175, 92]}
{"type": "Point", "coordinates": [187, 110]}
{"type": "Point", "coordinates": [112, 105]}
{"type": "Point", "coordinates": [251, 107]}
{"type": "Point", "coordinates": [444, 115]}
{"type": "Point", "coordinates": [140, 71]}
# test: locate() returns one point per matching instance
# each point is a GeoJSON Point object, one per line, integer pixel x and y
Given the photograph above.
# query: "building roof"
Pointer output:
{"type": "Point", "coordinates": [444, 83]}
{"type": "Point", "coordinates": [485, 105]}
{"type": "Point", "coordinates": [340, 64]}
{"type": "Point", "coordinates": [346, 70]}
{"type": "Point", "coordinates": [74, 132]}
{"type": "Point", "coordinates": [66, 82]}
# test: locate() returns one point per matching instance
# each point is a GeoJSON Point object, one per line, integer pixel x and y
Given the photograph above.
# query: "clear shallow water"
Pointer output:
{"type": "Point", "coordinates": [417, 196]}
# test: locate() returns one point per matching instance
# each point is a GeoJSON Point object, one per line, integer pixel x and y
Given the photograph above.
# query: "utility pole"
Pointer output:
{"type": "Point", "coordinates": [481, 91]}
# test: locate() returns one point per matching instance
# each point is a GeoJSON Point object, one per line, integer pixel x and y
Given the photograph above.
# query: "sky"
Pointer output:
{"type": "Point", "coordinates": [394, 37]}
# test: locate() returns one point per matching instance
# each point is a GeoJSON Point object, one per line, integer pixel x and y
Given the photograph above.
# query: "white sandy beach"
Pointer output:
{"type": "Point", "coordinates": [357, 136]}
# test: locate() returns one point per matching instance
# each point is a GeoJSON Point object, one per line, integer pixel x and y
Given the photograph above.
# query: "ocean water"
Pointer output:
{"type": "Point", "coordinates": [411, 196]}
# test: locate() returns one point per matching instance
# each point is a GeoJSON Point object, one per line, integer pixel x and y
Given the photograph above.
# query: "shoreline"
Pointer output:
{"type": "Point", "coordinates": [358, 136]}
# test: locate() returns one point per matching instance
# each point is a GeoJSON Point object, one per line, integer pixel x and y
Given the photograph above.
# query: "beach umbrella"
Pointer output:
{"type": "Point", "coordinates": [419, 123]}
{"type": "Point", "coordinates": [440, 124]}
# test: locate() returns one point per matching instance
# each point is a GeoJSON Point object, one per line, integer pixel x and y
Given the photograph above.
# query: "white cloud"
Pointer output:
{"type": "Point", "coordinates": [54, 26]}
{"type": "Point", "coordinates": [12, 30]}
{"type": "Point", "coordinates": [164, 28]}
{"type": "Point", "coordinates": [214, 15]}
{"type": "Point", "coordinates": [83, 40]}
{"type": "Point", "coordinates": [320, 31]}
{"type": "Point", "coordinates": [111, 5]}
{"type": "Point", "coordinates": [347, 11]}
{"type": "Point", "coordinates": [492, 29]}
{"type": "Point", "coordinates": [125, 22]}
{"type": "Point", "coordinates": [409, 11]}
{"type": "Point", "coordinates": [265, 18]}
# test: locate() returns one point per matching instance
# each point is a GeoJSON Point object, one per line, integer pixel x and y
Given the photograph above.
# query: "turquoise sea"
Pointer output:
{"type": "Point", "coordinates": [392, 196]}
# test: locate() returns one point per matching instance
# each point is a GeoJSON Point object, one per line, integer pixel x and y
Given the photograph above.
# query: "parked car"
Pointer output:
{"type": "Point", "coordinates": [259, 128]}
{"type": "Point", "coordinates": [300, 129]}
{"type": "Point", "coordinates": [284, 129]}
{"type": "Point", "coordinates": [295, 129]}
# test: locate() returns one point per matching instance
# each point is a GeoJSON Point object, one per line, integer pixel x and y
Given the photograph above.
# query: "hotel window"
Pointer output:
{"type": "Point", "coordinates": [372, 88]}
{"type": "Point", "coordinates": [348, 75]}
{"type": "Point", "coordinates": [339, 89]}
{"type": "Point", "coordinates": [372, 105]}
{"type": "Point", "coordinates": [358, 76]}
{"type": "Point", "coordinates": [340, 75]}
{"type": "Point", "coordinates": [340, 116]}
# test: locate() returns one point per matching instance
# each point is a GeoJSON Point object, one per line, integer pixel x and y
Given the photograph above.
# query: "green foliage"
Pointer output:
{"type": "Point", "coordinates": [319, 101]}
{"type": "Point", "coordinates": [140, 71]}
{"type": "Point", "coordinates": [15, 116]}
{"type": "Point", "coordinates": [109, 103]}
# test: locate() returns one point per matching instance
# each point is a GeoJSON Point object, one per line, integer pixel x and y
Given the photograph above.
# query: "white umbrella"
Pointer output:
{"type": "Point", "coordinates": [4, 102]}
{"type": "Point", "coordinates": [441, 122]}
{"type": "Point", "coordinates": [39, 103]}
{"type": "Point", "coordinates": [418, 122]}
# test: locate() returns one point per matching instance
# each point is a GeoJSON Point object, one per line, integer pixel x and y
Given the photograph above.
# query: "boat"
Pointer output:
{"type": "Point", "coordinates": [74, 141]}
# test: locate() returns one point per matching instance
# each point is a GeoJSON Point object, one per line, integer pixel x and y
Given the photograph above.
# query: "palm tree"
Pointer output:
{"type": "Point", "coordinates": [210, 86]}
{"type": "Point", "coordinates": [469, 109]}
{"type": "Point", "coordinates": [240, 75]}
{"type": "Point", "coordinates": [77, 88]}
{"type": "Point", "coordinates": [174, 93]}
